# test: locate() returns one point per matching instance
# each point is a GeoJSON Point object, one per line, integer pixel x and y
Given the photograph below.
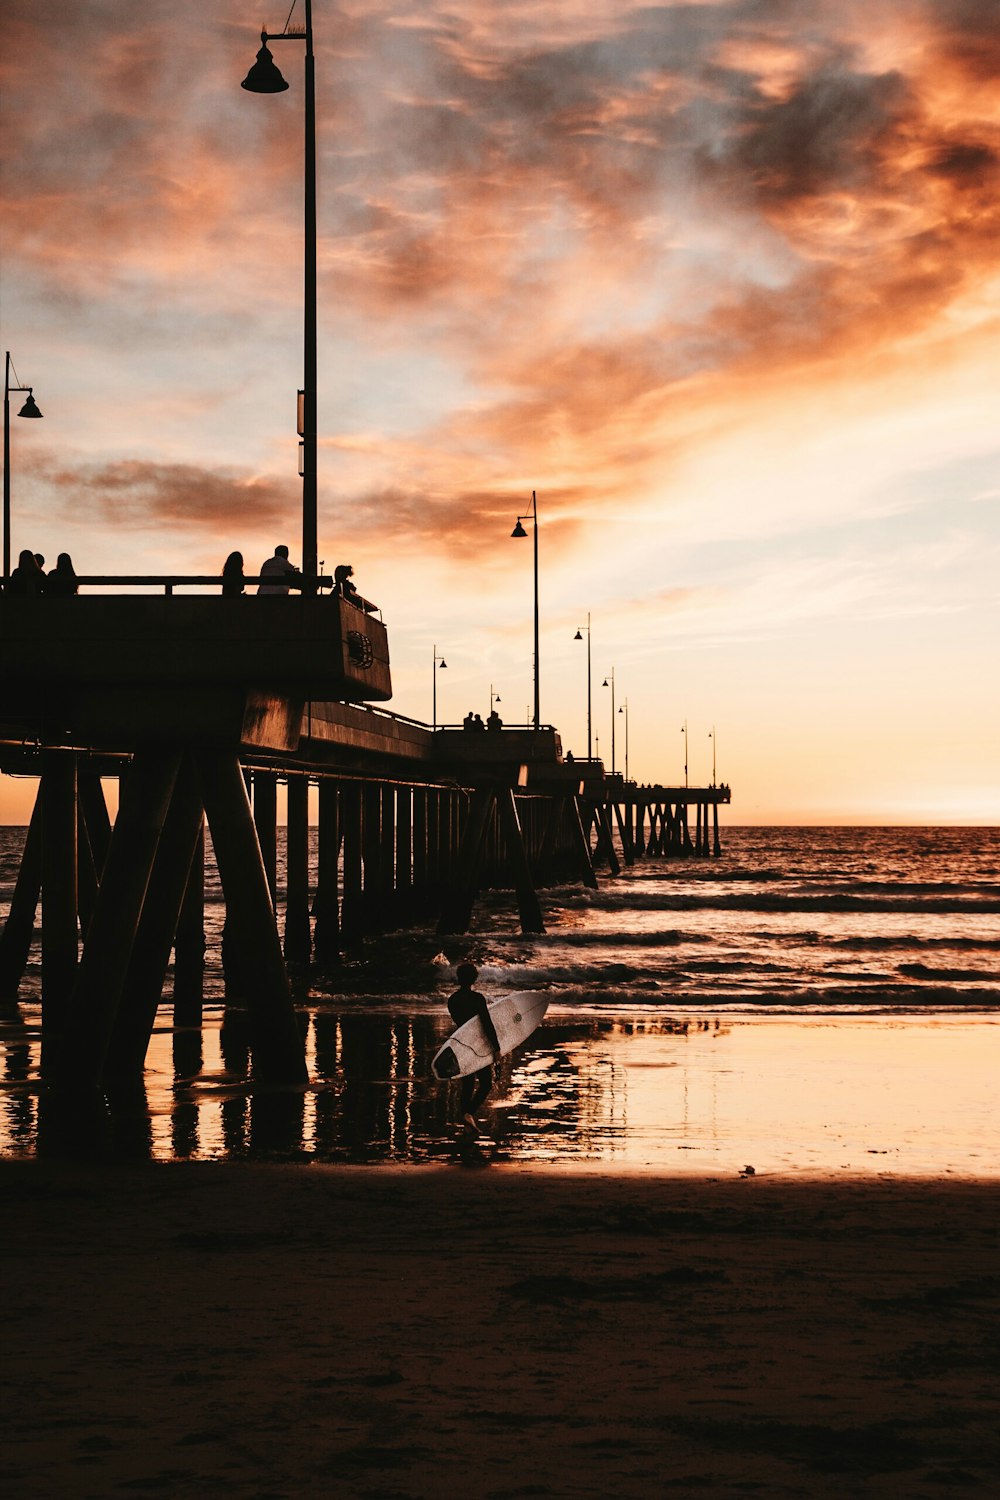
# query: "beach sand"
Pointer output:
{"type": "Point", "coordinates": [291, 1330]}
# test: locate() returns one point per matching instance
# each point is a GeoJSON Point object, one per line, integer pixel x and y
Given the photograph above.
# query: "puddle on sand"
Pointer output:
{"type": "Point", "coordinates": [695, 1094]}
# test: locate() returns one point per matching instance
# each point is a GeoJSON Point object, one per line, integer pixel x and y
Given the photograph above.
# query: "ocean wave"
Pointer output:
{"type": "Point", "coordinates": [670, 938]}
{"type": "Point", "coordinates": [959, 976]}
{"type": "Point", "coordinates": [911, 940]}
{"type": "Point", "coordinates": [863, 999]}
{"type": "Point", "coordinates": [796, 901]}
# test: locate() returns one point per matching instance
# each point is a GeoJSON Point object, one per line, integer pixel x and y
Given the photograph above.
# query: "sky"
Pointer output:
{"type": "Point", "coordinates": [719, 281]}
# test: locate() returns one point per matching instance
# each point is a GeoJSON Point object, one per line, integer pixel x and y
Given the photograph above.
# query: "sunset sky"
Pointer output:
{"type": "Point", "coordinates": [720, 281]}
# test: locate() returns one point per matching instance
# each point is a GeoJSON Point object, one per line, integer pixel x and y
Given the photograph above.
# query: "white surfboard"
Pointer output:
{"type": "Point", "coordinates": [514, 1017]}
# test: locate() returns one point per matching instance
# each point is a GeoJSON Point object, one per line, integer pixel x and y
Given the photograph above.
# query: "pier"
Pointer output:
{"type": "Point", "coordinates": [200, 706]}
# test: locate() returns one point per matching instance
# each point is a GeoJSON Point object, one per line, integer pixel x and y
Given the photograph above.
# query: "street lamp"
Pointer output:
{"type": "Point", "coordinates": [624, 710]}
{"type": "Point", "coordinates": [612, 686]}
{"type": "Point", "coordinates": [29, 409]}
{"type": "Point", "coordinates": [439, 664]}
{"type": "Point", "coordinates": [579, 637]}
{"type": "Point", "coordinates": [711, 735]}
{"type": "Point", "coordinates": [520, 531]}
{"type": "Point", "coordinates": [684, 732]}
{"type": "Point", "coordinates": [265, 78]}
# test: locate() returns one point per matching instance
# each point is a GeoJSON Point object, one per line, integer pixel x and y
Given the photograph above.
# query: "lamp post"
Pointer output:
{"type": "Point", "coordinates": [579, 637]}
{"type": "Point", "coordinates": [612, 686]}
{"type": "Point", "coordinates": [265, 78]}
{"type": "Point", "coordinates": [684, 732]}
{"type": "Point", "coordinates": [29, 409]}
{"type": "Point", "coordinates": [439, 664]}
{"type": "Point", "coordinates": [520, 531]}
{"type": "Point", "coordinates": [711, 735]}
{"type": "Point", "coordinates": [624, 710]}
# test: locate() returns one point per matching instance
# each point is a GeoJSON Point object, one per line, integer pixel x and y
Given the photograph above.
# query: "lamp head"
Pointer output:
{"type": "Point", "coordinates": [443, 665]}
{"type": "Point", "coordinates": [264, 77]}
{"type": "Point", "coordinates": [578, 636]}
{"type": "Point", "coordinates": [519, 529]}
{"type": "Point", "coordinates": [604, 683]}
{"type": "Point", "coordinates": [29, 409]}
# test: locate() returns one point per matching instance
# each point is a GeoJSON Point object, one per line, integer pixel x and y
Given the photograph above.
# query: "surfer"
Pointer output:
{"type": "Point", "coordinates": [463, 1005]}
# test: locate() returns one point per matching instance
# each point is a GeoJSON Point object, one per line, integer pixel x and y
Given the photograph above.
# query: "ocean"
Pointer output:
{"type": "Point", "coordinates": [815, 1001]}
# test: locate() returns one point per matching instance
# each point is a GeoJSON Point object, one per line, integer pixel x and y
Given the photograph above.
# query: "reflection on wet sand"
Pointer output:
{"type": "Point", "coordinates": [643, 1092]}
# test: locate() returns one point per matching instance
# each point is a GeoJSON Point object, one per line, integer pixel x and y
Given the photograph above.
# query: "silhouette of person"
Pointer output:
{"type": "Point", "coordinates": [232, 576]}
{"type": "Point", "coordinates": [40, 560]}
{"type": "Point", "coordinates": [278, 573]}
{"type": "Point", "coordinates": [27, 577]}
{"type": "Point", "coordinates": [570, 757]}
{"type": "Point", "coordinates": [62, 580]}
{"type": "Point", "coordinates": [463, 1005]}
{"type": "Point", "coordinates": [468, 722]}
{"type": "Point", "coordinates": [478, 724]}
{"type": "Point", "coordinates": [494, 721]}
{"type": "Point", "coordinates": [342, 584]}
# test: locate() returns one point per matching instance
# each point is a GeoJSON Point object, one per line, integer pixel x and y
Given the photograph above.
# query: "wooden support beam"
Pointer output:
{"type": "Point", "coordinates": [581, 842]}
{"type": "Point", "coordinates": [459, 898]}
{"type": "Point", "coordinates": [352, 916]}
{"type": "Point", "coordinates": [555, 813]}
{"type": "Point", "coordinates": [87, 882]}
{"type": "Point", "coordinates": [421, 893]}
{"type": "Point", "coordinates": [528, 905]}
{"type": "Point", "coordinates": [265, 817]}
{"type": "Point", "coordinates": [625, 833]}
{"type": "Point", "coordinates": [717, 849]}
{"type": "Point", "coordinates": [143, 987]}
{"type": "Point", "coordinates": [146, 794]}
{"type": "Point", "coordinates": [276, 1042]}
{"type": "Point", "coordinates": [605, 840]}
{"type": "Point", "coordinates": [298, 935]}
{"type": "Point", "coordinates": [653, 839]}
{"type": "Point", "coordinates": [434, 881]}
{"type": "Point", "coordinates": [446, 847]}
{"type": "Point", "coordinates": [404, 852]}
{"type": "Point", "coordinates": [665, 824]}
{"type": "Point", "coordinates": [15, 940]}
{"type": "Point", "coordinates": [95, 815]}
{"type": "Point", "coordinates": [60, 930]}
{"type": "Point", "coordinates": [371, 841]}
{"type": "Point", "coordinates": [326, 903]}
{"type": "Point", "coordinates": [189, 944]}
{"type": "Point", "coordinates": [387, 860]}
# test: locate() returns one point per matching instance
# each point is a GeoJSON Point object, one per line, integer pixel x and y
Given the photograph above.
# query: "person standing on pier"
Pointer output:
{"type": "Point", "coordinates": [232, 576]}
{"type": "Point", "coordinates": [463, 1005]}
{"type": "Point", "coordinates": [61, 580]}
{"type": "Point", "coordinates": [278, 574]}
{"type": "Point", "coordinates": [27, 577]}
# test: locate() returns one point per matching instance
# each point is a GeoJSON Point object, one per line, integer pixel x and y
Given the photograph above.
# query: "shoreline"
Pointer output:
{"type": "Point", "coordinates": [405, 1332]}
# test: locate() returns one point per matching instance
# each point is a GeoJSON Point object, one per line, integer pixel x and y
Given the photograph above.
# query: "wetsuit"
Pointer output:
{"type": "Point", "coordinates": [462, 1006]}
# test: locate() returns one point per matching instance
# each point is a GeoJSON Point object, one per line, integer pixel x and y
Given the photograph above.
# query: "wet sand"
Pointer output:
{"type": "Point", "coordinates": [278, 1331]}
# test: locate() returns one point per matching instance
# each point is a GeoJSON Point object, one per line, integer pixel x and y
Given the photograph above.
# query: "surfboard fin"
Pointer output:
{"type": "Point", "coordinates": [447, 1065]}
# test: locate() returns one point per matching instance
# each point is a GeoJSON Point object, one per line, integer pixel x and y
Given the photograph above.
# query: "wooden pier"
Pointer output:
{"type": "Point", "coordinates": [200, 706]}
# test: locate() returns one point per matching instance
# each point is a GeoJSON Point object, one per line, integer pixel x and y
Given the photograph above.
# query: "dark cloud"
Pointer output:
{"type": "Point", "coordinates": [967, 33]}
{"type": "Point", "coordinates": [132, 493]}
{"type": "Point", "coordinates": [965, 162]}
{"type": "Point", "coordinates": [833, 132]}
